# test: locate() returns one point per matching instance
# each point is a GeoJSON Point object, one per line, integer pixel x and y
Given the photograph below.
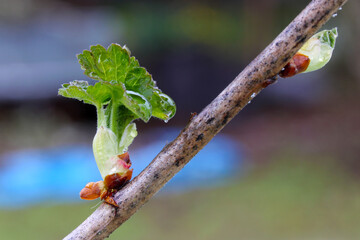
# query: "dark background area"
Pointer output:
{"type": "Point", "coordinates": [300, 136]}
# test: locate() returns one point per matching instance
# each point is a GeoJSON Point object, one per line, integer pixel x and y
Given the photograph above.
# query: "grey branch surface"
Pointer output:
{"type": "Point", "coordinates": [203, 127]}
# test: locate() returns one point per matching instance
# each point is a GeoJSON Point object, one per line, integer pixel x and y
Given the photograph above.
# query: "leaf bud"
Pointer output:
{"type": "Point", "coordinates": [313, 55]}
{"type": "Point", "coordinates": [105, 146]}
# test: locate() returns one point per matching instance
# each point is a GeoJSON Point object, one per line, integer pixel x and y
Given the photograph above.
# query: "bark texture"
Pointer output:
{"type": "Point", "coordinates": [260, 73]}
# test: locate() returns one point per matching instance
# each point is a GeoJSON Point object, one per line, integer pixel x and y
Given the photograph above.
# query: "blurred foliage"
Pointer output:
{"type": "Point", "coordinates": [225, 29]}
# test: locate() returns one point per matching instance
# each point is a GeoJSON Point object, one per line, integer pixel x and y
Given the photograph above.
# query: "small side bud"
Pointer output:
{"type": "Point", "coordinates": [319, 49]}
{"type": "Point", "coordinates": [119, 174]}
{"type": "Point", "coordinates": [92, 190]}
{"type": "Point", "coordinates": [313, 55]}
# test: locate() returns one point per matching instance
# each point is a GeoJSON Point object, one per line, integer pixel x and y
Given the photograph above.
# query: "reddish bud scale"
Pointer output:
{"type": "Point", "coordinates": [111, 184]}
{"type": "Point", "coordinates": [92, 190]}
{"type": "Point", "coordinates": [298, 64]}
{"type": "Point", "coordinates": [116, 181]}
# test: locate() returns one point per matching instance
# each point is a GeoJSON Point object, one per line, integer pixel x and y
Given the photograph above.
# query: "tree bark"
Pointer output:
{"type": "Point", "coordinates": [260, 73]}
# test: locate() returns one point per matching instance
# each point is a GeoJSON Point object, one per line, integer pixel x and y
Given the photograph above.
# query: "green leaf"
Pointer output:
{"type": "Point", "coordinates": [87, 62]}
{"type": "Point", "coordinates": [102, 64]}
{"type": "Point", "coordinates": [328, 36]}
{"type": "Point", "coordinates": [163, 106]}
{"type": "Point", "coordinates": [133, 101]}
{"type": "Point", "coordinates": [97, 94]}
{"type": "Point", "coordinates": [139, 80]}
{"type": "Point", "coordinates": [130, 133]}
{"type": "Point", "coordinates": [123, 73]}
{"type": "Point", "coordinates": [138, 104]}
{"type": "Point", "coordinates": [105, 146]}
{"type": "Point", "coordinates": [125, 92]}
{"type": "Point", "coordinates": [120, 62]}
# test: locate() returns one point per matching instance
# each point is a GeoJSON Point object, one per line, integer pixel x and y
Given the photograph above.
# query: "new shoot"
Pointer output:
{"type": "Point", "coordinates": [124, 92]}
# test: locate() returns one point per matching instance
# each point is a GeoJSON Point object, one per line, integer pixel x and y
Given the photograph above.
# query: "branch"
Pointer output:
{"type": "Point", "coordinates": [202, 128]}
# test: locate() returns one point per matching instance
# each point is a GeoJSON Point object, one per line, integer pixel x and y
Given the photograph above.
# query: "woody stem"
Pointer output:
{"type": "Point", "coordinates": [203, 127]}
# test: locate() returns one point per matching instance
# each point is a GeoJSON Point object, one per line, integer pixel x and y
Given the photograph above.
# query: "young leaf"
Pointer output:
{"type": "Point", "coordinates": [163, 106]}
{"type": "Point", "coordinates": [125, 92]}
{"type": "Point", "coordinates": [138, 104]}
{"type": "Point", "coordinates": [115, 66]}
{"type": "Point", "coordinates": [105, 146]}
{"type": "Point", "coordinates": [133, 101]}
{"type": "Point", "coordinates": [97, 94]}
{"type": "Point", "coordinates": [105, 65]}
{"type": "Point", "coordinates": [128, 137]}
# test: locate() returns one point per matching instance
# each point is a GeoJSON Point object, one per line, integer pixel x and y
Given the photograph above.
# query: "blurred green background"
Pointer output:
{"type": "Point", "coordinates": [300, 137]}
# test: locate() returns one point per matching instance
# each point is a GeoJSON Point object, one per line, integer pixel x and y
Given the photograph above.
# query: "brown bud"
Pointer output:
{"type": "Point", "coordinates": [112, 182]}
{"type": "Point", "coordinates": [117, 181]}
{"type": "Point", "coordinates": [92, 190]}
{"type": "Point", "coordinates": [110, 200]}
{"type": "Point", "coordinates": [298, 64]}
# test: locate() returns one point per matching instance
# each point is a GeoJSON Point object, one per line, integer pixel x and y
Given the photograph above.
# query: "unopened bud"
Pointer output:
{"type": "Point", "coordinates": [92, 190]}
{"type": "Point", "coordinates": [313, 55]}
{"type": "Point", "coordinates": [319, 49]}
{"type": "Point", "coordinates": [105, 146]}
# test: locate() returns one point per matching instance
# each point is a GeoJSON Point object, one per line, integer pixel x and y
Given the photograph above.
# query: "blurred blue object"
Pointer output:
{"type": "Point", "coordinates": [58, 174]}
